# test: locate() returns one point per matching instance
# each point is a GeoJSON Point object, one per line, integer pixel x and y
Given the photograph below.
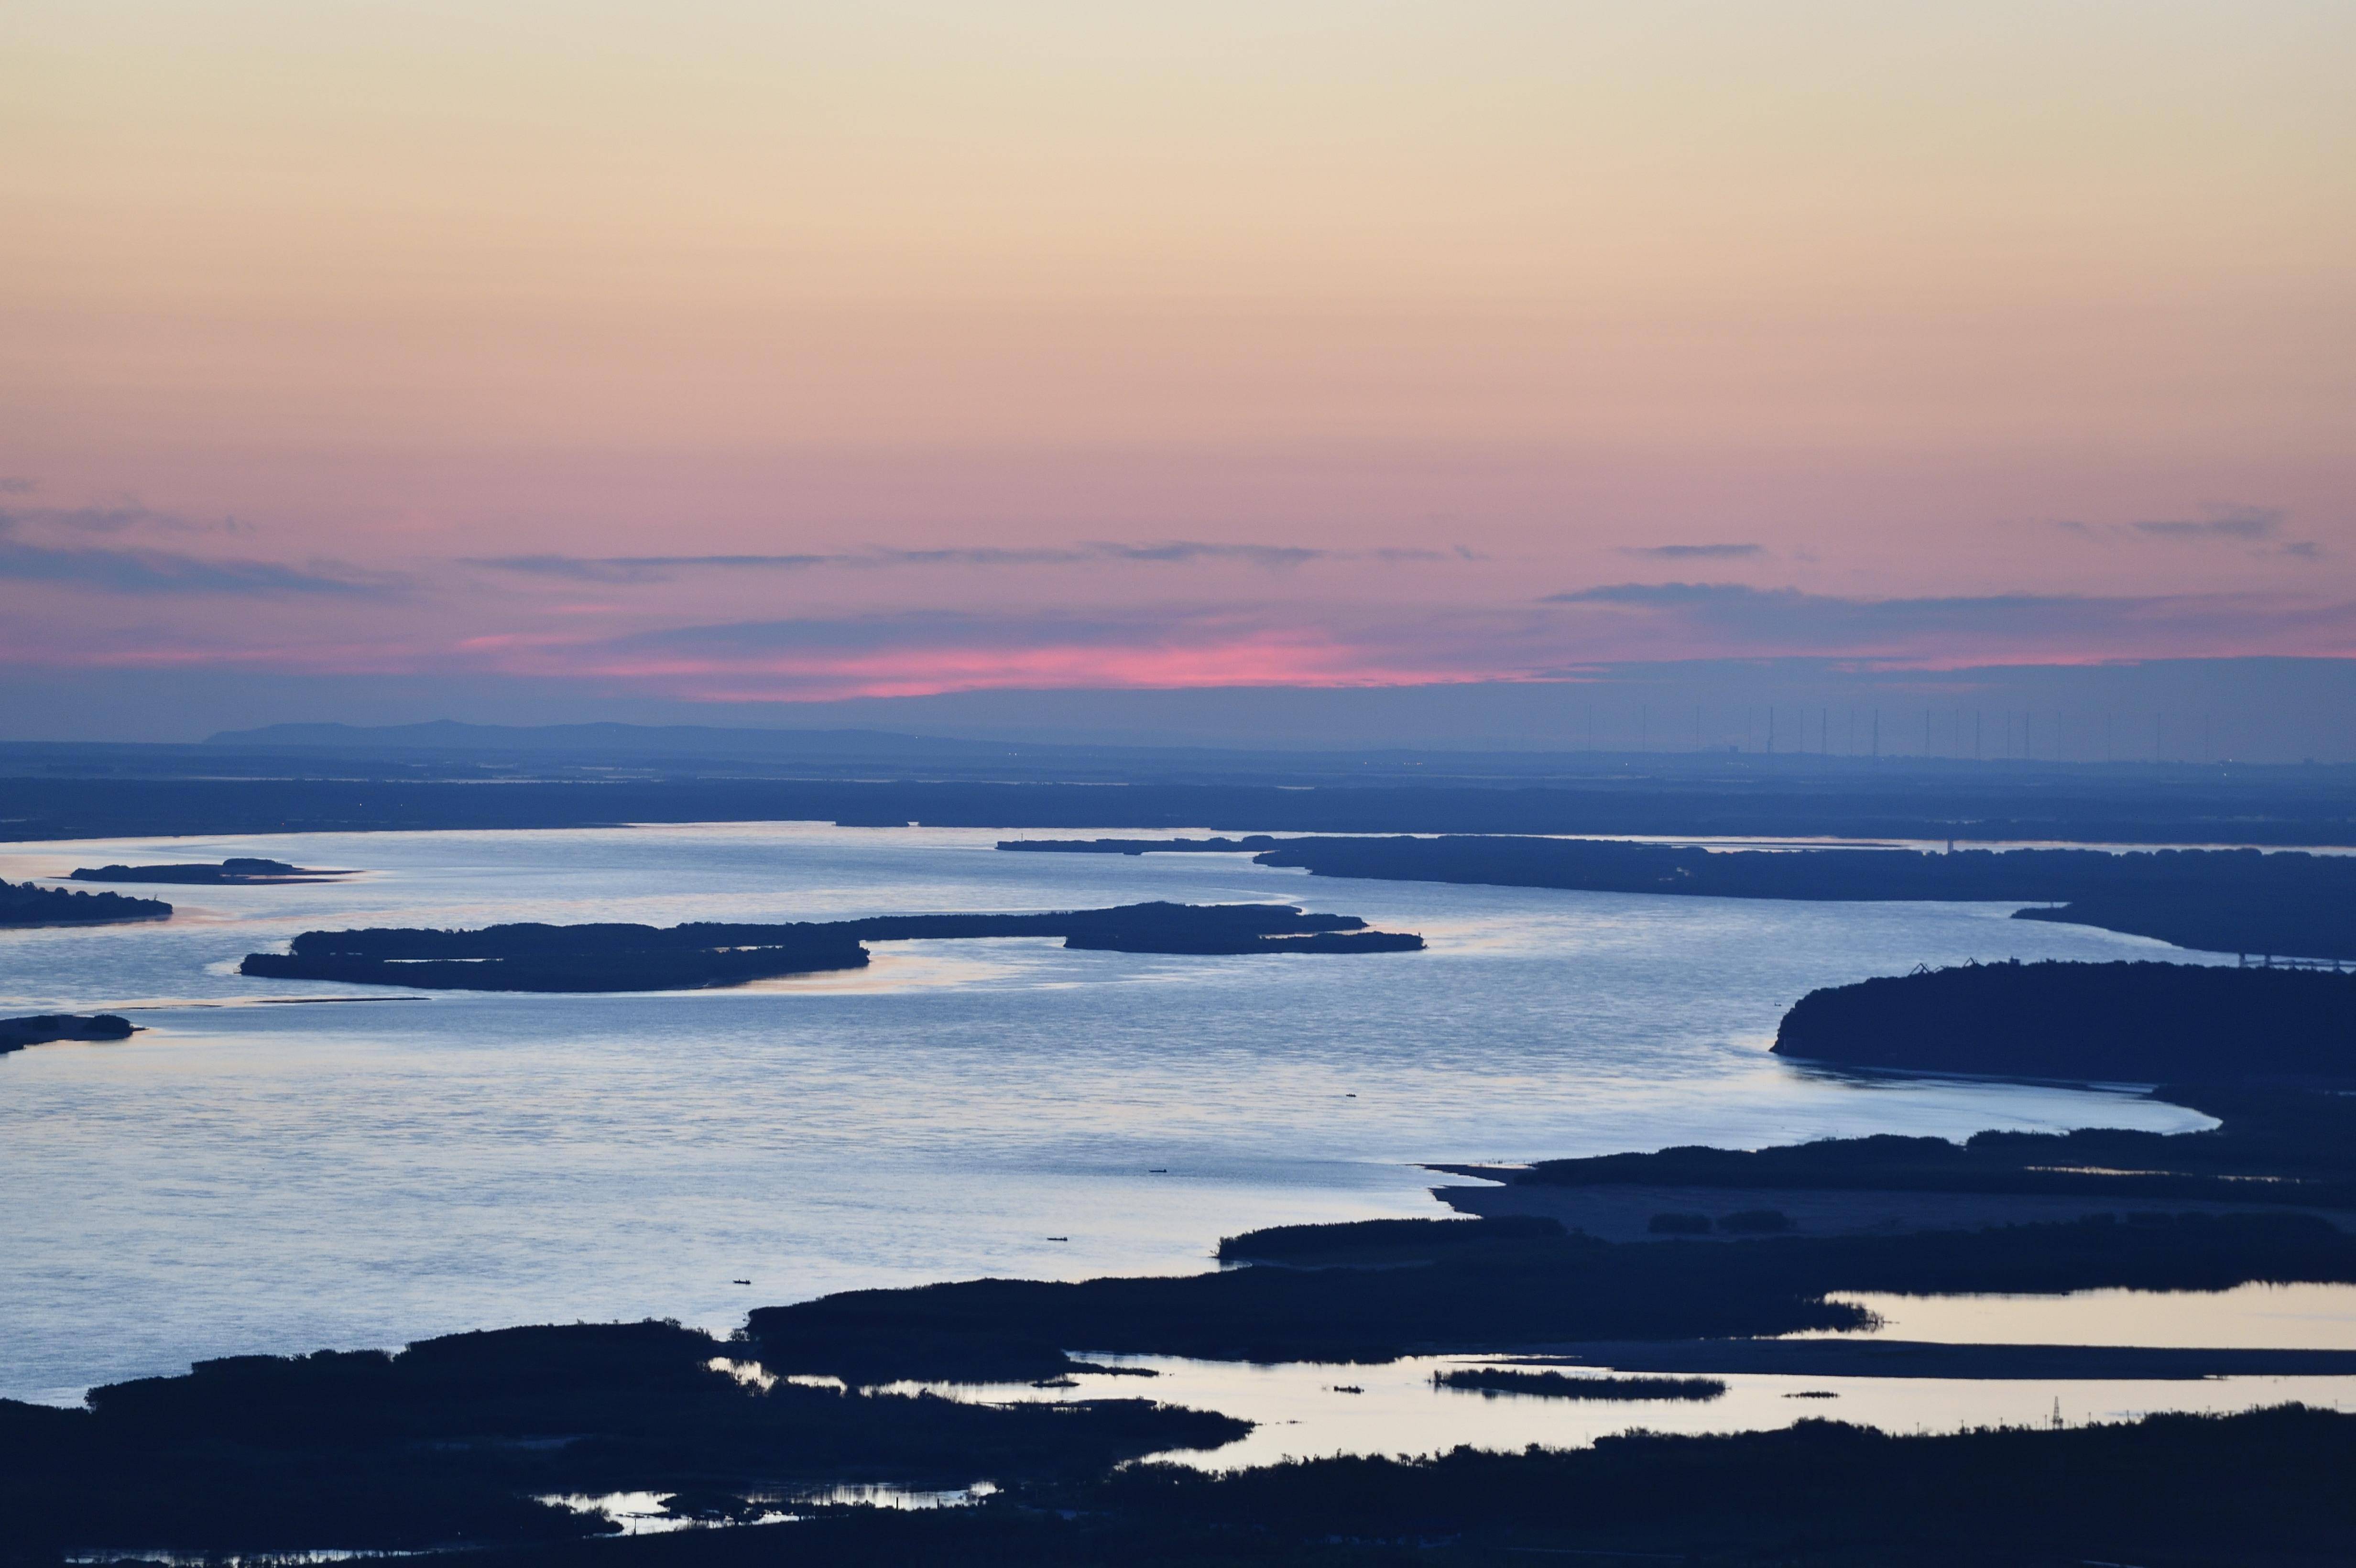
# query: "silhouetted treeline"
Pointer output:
{"type": "Point", "coordinates": [1354, 1239]}
{"type": "Point", "coordinates": [2149, 1023]}
{"type": "Point", "coordinates": [23, 904]}
{"type": "Point", "coordinates": [446, 1444]}
{"type": "Point", "coordinates": [616, 957]}
{"type": "Point", "coordinates": [2272, 1145]}
{"type": "Point", "coordinates": [1491, 1289]}
{"type": "Point", "coordinates": [603, 958]}
{"type": "Point", "coordinates": [41, 1029]}
{"type": "Point", "coordinates": [2261, 809]}
{"type": "Point", "coordinates": [1562, 1385]}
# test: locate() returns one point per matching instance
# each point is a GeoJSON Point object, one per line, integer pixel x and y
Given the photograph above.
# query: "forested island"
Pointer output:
{"type": "Point", "coordinates": [238, 870]}
{"type": "Point", "coordinates": [2149, 1023]}
{"type": "Point", "coordinates": [23, 904]}
{"type": "Point", "coordinates": [45, 1028]}
{"type": "Point", "coordinates": [2226, 900]}
{"type": "Point", "coordinates": [619, 957]}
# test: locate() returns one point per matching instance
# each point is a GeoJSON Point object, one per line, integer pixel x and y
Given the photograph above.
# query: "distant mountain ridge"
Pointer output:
{"type": "Point", "coordinates": [601, 738]}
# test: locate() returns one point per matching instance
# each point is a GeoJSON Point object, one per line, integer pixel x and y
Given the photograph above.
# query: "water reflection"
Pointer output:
{"type": "Point", "coordinates": [659, 1513]}
{"type": "Point", "coordinates": [2250, 1317]}
{"type": "Point", "coordinates": [1308, 1409]}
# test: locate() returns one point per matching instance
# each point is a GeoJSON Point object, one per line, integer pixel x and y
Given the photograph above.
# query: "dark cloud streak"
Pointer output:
{"type": "Point", "coordinates": [1774, 620]}
{"type": "Point", "coordinates": [153, 571]}
{"type": "Point", "coordinates": [1175, 552]}
{"type": "Point", "coordinates": [1695, 551]}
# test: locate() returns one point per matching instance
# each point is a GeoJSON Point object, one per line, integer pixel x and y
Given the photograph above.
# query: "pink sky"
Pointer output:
{"type": "Point", "coordinates": [1065, 344]}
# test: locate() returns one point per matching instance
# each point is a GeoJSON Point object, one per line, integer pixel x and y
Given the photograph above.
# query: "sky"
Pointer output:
{"type": "Point", "coordinates": [745, 356]}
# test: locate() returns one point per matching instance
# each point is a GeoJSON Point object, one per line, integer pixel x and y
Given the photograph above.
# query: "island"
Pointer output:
{"type": "Point", "coordinates": [22, 903]}
{"type": "Point", "coordinates": [705, 954]}
{"type": "Point", "coordinates": [236, 871]}
{"type": "Point", "coordinates": [42, 1029]}
{"type": "Point", "coordinates": [1562, 1385]}
{"type": "Point", "coordinates": [1252, 844]}
{"type": "Point", "coordinates": [2225, 900]}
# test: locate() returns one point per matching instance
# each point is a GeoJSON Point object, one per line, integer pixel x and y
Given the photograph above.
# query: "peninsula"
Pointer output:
{"type": "Point", "coordinates": [616, 957]}
{"type": "Point", "coordinates": [2147, 1023]}
{"type": "Point", "coordinates": [22, 903]}
{"type": "Point", "coordinates": [2225, 900]}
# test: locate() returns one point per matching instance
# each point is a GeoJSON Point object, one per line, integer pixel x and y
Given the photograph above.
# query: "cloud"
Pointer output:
{"type": "Point", "coordinates": [16, 484]}
{"type": "Point", "coordinates": [1695, 551]}
{"type": "Point", "coordinates": [1175, 552]}
{"type": "Point", "coordinates": [152, 572]}
{"type": "Point", "coordinates": [122, 518]}
{"type": "Point", "coordinates": [904, 629]}
{"type": "Point", "coordinates": [636, 568]}
{"type": "Point", "coordinates": [1725, 618]}
{"type": "Point", "coordinates": [2218, 523]}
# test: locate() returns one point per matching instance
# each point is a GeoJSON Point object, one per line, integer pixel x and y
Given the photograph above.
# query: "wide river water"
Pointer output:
{"type": "Point", "coordinates": [250, 1175]}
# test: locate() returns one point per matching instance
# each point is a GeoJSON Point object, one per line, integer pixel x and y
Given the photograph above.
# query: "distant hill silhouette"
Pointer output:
{"type": "Point", "coordinates": [599, 739]}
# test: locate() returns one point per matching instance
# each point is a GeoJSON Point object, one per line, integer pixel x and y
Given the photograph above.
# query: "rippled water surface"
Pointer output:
{"type": "Point", "coordinates": [246, 1176]}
